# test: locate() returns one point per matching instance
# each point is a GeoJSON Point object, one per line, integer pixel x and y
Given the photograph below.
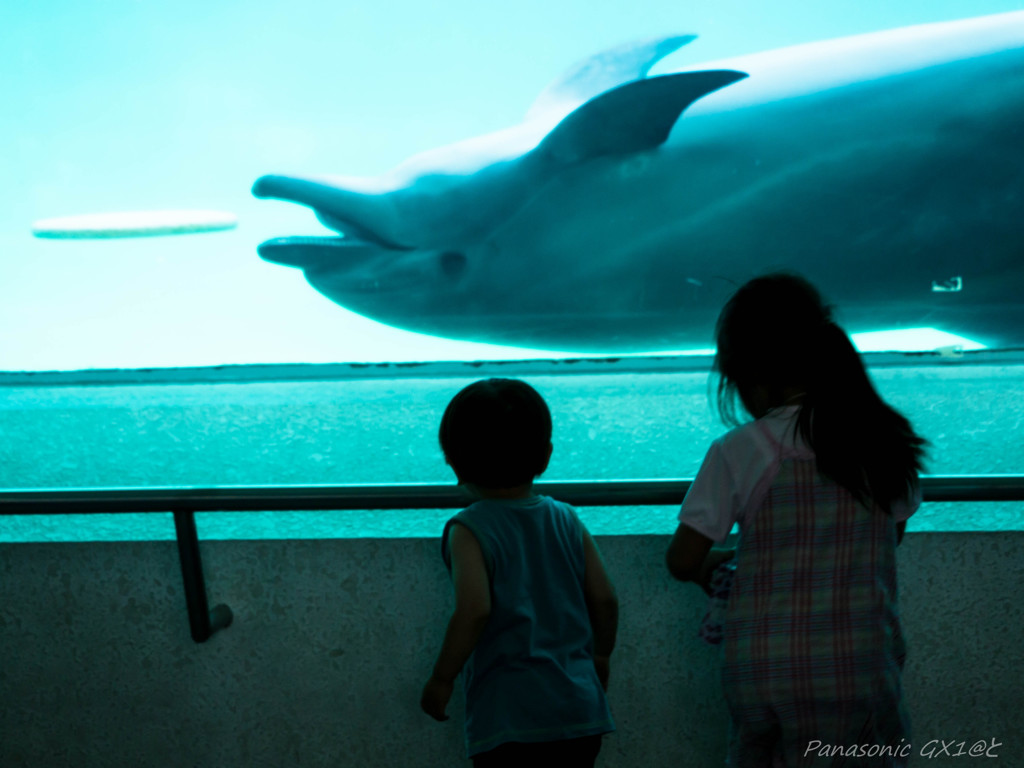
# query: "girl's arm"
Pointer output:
{"type": "Point", "coordinates": [690, 557]}
{"type": "Point", "coordinates": [472, 610]}
{"type": "Point", "coordinates": [602, 606]}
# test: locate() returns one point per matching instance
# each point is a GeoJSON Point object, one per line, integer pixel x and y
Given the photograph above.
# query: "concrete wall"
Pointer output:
{"type": "Point", "coordinates": [333, 638]}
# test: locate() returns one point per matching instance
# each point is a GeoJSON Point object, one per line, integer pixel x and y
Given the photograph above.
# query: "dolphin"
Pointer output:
{"type": "Point", "coordinates": [888, 168]}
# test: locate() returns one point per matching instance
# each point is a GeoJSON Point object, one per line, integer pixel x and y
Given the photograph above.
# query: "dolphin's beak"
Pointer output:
{"type": "Point", "coordinates": [368, 217]}
{"type": "Point", "coordinates": [315, 252]}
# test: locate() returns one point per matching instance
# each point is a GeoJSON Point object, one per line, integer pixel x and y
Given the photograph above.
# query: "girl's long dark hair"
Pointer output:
{"type": "Point", "coordinates": [777, 333]}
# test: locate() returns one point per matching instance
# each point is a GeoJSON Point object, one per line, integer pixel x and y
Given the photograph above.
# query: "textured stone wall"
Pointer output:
{"type": "Point", "coordinates": [332, 640]}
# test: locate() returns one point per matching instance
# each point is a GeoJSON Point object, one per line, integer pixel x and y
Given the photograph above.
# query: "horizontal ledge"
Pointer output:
{"type": "Point", "coordinates": [259, 498]}
{"type": "Point", "coordinates": [258, 372]}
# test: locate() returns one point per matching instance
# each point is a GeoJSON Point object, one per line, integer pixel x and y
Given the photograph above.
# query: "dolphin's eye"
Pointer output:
{"type": "Point", "coordinates": [453, 264]}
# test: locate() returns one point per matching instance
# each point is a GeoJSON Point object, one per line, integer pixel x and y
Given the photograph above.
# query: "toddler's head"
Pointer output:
{"type": "Point", "coordinates": [496, 433]}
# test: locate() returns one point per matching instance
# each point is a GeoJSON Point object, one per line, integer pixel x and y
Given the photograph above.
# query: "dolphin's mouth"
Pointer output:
{"type": "Point", "coordinates": [314, 252]}
{"type": "Point", "coordinates": [349, 213]}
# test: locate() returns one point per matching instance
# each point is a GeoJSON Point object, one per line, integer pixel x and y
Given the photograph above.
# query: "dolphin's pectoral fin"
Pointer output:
{"type": "Point", "coordinates": [597, 74]}
{"type": "Point", "coordinates": [313, 252]}
{"type": "Point", "coordinates": [631, 118]}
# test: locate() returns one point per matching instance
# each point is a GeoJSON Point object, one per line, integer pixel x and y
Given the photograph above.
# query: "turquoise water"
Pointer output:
{"type": "Point", "coordinates": [606, 426]}
{"type": "Point", "coordinates": [122, 105]}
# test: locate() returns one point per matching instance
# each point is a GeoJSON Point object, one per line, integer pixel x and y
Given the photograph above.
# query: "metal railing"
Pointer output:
{"type": "Point", "coordinates": [184, 502]}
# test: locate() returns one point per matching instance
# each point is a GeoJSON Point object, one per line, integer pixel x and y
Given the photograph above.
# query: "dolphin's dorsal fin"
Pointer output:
{"type": "Point", "coordinates": [599, 73]}
{"type": "Point", "coordinates": [631, 118]}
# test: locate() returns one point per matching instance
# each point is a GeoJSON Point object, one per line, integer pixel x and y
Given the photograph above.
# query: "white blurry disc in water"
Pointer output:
{"type": "Point", "coordinates": [134, 224]}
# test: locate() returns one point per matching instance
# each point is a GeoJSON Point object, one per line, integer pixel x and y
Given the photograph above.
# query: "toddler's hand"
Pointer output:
{"type": "Point", "coordinates": [435, 697]}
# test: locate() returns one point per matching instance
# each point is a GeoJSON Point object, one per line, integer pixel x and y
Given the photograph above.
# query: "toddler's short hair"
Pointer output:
{"type": "Point", "coordinates": [496, 433]}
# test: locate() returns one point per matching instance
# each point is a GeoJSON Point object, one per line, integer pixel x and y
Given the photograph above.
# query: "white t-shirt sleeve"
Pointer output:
{"type": "Point", "coordinates": [732, 474]}
{"type": "Point", "coordinates": [710, 501]}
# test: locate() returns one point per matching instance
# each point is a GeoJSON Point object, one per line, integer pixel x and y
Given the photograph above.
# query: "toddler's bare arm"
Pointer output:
{"type": "Point", "coordinates": [472, 610]}
{"type": "Point", "coordinates": [602, 606]}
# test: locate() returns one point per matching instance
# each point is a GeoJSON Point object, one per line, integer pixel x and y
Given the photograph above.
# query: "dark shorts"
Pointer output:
{"type": "Point", "coordinates": [568, 753]}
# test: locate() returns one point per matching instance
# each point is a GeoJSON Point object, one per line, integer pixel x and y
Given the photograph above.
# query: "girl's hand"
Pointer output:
{"type": "Point", "coordinates": [435, 697]}
{"type": "Point", "coordinates": [714, 559]}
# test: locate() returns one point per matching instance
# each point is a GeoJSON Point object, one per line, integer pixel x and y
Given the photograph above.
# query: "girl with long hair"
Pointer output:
{"type": "Point", "coordinates": [821, 483]}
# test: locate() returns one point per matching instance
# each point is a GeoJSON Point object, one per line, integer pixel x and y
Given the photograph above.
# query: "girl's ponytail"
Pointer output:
{"type": "Point", "coordinates": [859, 441]}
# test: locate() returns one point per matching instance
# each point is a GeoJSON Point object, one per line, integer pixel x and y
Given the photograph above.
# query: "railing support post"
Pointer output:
{"type": "Point", "coordinates": [202, 621]}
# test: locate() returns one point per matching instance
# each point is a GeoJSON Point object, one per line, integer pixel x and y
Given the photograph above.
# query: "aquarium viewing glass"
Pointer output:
{"type": "Point", "coordinates": [135, 107]}
{"type": "Point", "coordinates": [562, 233]}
